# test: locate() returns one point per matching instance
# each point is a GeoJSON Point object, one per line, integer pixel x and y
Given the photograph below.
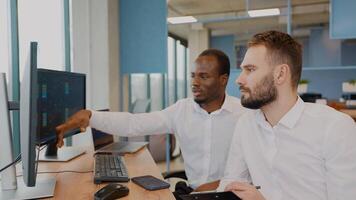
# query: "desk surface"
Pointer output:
{"type": "Point", "coordinates": [81, 186]}
{"type": "Point", "coordinates": [351, 112]}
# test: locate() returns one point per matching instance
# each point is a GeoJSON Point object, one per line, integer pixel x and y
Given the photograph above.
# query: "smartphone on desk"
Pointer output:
{"type": "Point", "coordinates": [150, 182]}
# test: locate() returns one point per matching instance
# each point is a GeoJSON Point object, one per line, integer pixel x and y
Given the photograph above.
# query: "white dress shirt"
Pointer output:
{"type": "Point", "coordinates": [204, 138]}
{"type": "Point", "coordinates": [310, 154]}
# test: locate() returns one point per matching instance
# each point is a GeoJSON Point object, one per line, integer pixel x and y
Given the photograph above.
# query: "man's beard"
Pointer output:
{"type": "Point", "coordinates": [205, 100]}
{"type": "Point", "coordinates": [199, 101]}
{"type": "Point", "coordinates": [265, 93]}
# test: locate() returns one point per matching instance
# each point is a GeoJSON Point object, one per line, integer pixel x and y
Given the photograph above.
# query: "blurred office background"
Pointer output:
{"type": "Point", "coordinates": [139, 49]}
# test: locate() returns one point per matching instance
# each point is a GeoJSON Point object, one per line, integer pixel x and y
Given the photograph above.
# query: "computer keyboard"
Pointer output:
{"type": "Point", "coordinates": [109, 168]}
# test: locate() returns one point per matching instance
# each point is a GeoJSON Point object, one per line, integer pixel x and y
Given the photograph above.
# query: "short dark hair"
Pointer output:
{"type": "Point", "coordinates": [223, 60]}
{"type": "Point", "coordinates": [281, 49]}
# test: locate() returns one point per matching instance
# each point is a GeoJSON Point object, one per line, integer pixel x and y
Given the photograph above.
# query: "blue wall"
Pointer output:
{"type": "Point", "coordinates": [342, 19]}
{"type": "Point", "coordinates": [227, 45]}
{"type": "Point", "coordinates": [323, 60]}
{"type": "Point", "coordinates": [232, 89]}
{"type": "Point", "coordinates": [305, 44]}
{"type": "Point", "coordinates": [328, 82]}
{"type": "Point", "coordinates": [348, 53]}
{"type": "Point", "coordinates": [143, 36]}
{"type": "Point", "coordinates": [323, 51]}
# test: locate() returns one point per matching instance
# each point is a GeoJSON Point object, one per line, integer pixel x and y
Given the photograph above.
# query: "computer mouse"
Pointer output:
{"type": "Point", "coordinates": [111, 191]}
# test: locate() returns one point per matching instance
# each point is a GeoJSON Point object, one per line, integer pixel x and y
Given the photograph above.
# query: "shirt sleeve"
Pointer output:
{"type": "Point", "coordinates": [128, 124]}
{"type": "Point", "coordinates": [340, 159]}
{"type": "Point", "coordinates": [236, 168]}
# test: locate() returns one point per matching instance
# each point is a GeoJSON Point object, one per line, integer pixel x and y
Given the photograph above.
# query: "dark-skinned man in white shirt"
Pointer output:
{"type": "Point", "coordinates": [203, 125]}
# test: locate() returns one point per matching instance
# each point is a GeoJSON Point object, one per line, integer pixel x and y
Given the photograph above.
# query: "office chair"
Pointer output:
{"type": "Point", "coordinates": [175, 174]}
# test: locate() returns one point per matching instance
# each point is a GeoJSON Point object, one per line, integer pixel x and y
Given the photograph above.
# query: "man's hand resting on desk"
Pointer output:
{"type": "Point", "coordinates": [245, 191]}
{"type": "Point", "coordinates": [79, 120]}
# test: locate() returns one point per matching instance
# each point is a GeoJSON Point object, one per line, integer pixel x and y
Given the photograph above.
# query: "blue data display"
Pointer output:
{"type": "Point", "coordinates": [61, 94]}
{"type": "Point", "coordinates": [44, 91]}
{"type": "Point", "coordinates": [66, 88]}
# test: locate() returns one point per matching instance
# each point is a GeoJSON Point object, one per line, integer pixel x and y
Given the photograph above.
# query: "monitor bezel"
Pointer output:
{"type": "Point", "coordinates": [28, 117]}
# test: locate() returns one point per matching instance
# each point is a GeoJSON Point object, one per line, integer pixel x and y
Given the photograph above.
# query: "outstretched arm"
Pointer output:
{"type": "Point", "coordinates": [78, 120]}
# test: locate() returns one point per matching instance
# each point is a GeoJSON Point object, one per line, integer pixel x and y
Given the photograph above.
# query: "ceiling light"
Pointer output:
{"type": "Point", "coordinates": [181, 20]}
{"type": "Point", "coordinates": [264, 12]}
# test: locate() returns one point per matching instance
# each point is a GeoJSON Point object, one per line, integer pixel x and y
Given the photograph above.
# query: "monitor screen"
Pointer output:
{"type": "Point", "coordinates": [60, 95]}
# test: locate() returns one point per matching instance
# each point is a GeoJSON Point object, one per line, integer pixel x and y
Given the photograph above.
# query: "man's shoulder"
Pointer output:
{"type": "Point", "coordinates": [324, 113]}
{"type": "Point", "coordinates": [248, 116]}
{"type": "Point", "coordinates": [184, 101]}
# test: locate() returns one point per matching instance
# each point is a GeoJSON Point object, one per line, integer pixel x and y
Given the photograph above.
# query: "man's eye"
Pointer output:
{"type": "Point", "coordinates": [204, 77]}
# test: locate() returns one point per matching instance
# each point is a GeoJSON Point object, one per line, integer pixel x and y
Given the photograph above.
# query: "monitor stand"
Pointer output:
{"type": "Point", "coordinates": [64, 154]}
{"type": "Point", "coordinates": [44, 188]}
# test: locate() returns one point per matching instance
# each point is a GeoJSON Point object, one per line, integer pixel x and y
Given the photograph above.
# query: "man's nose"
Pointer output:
{"type": "Point", "coordinates": [240, 80]}
{"type": "Point", "coordinates": [195, 82]}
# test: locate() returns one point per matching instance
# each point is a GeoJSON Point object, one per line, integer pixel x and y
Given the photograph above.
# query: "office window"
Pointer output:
{"type": "Point", "coordinates": [188, 75]}
{"type": "Point", "coordinates": [178, 71]}
{"type": "Point", "coordinates": [156, 83]}
{"type": "Point", "coordinates": [152, 85]}
{"type": "Point", "coordinates": [138, 87]}
{"type": "Point", "coordinates": [42, 21]}
{"type": "Point", "coordinates": [5, 39]}
{"type": "Point", "coordinates": [148, 86]}
{"type": "Point", "coordinates": [181, 70]}
{"type": "Point", "coordinates": [171, 70]}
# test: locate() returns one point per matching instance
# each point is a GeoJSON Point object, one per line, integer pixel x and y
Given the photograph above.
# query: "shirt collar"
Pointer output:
{"type": "Point", "coordinates": [227, 105]}
{"type": "Point", "coordinates": [290, 119]}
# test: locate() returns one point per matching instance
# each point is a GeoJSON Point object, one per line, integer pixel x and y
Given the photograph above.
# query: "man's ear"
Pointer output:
{"type": "Point", "coordinates": [224, 79]}
{"type": "Point", "coordinates": [281, 73]}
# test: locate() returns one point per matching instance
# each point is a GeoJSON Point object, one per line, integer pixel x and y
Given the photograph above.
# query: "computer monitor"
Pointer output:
{"type": "Point", "coordinates": [60, 95]}
{"type": "Point", "coordinates": [28, 118]}
{"type": "Point", "coordinates": [30, 187]}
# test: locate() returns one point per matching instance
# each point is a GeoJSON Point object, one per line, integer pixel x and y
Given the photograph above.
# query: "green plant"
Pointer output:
{"type": "Point", "coordinates": [352, 81]}
{"type": "Point", "coordinates": [304, 81]}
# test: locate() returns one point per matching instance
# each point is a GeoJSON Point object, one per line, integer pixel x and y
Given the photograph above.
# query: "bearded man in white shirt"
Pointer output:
{"type": "Point", "coordinates": [291, 149]}
{"type": "Point", "coordinates": [203, 125]}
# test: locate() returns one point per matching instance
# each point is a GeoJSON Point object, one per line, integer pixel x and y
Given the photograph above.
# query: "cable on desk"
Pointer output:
{"type": "Point", "coordinates": [53, 172]}
{"type": "Point", "coordinates": [65, 171]}
{"type": "Point", "coordinates": [17, 159]}
{"type": "Point", "coordinates": [59, 172]}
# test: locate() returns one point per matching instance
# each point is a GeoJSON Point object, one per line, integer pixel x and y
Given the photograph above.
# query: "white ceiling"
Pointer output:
{"type": "Point", "coordinates": [226, 17]}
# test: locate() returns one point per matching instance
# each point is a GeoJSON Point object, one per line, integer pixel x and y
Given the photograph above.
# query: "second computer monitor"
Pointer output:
{"type": "Point", "coordinates": [60, 95]}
